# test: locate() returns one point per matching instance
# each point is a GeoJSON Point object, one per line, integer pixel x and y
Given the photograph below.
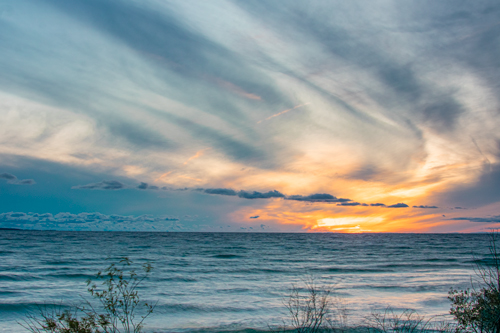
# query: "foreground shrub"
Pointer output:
{"type": "Point", "coordinates": [477, 309]}
{"type": "Point", "coordinates": [116, 291]}
{"type": "Point", "coordinates": [406, 321]}
{"type": "Point", "coordinates": [313, 309]}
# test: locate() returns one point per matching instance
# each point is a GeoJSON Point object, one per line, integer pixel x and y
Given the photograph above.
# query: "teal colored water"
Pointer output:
{"type": "Point", "coordinates": [235, 281]}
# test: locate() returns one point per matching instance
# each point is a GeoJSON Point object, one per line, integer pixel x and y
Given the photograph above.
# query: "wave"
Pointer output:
{"type": "Point", "coordinates": [227, 256]}
{"type": "Point", "coordinates": [19, 277]}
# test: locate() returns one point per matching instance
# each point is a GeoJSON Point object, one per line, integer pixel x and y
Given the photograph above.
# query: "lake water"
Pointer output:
{"type": "Point", "coordinates": [233, 281]}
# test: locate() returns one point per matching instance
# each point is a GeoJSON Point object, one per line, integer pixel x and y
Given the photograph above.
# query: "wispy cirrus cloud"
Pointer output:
{"type": "Point", "coordinates": [294, 99]}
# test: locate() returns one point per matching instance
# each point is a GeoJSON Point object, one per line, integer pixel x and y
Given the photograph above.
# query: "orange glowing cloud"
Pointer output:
{"type": "Point", "coordinates": [198, 154]}
{"type": "Point", "coordinates": [330, 217]}
{"type": "Point", "coordinates": [163, 176]}
{"type": "Point", "coordinates": [190, 178]}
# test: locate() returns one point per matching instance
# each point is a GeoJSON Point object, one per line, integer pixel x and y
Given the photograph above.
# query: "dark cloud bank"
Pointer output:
{"type": "Point", "coordinates": [314, 198]}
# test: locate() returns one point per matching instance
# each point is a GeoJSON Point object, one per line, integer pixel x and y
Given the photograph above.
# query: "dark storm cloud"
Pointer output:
{"type": "Point", "coordinates": [318, 197]}
{"type": "Point", "coordinates": [11, 179]}
{"type": "Point", "coordinates": [425, 206]}
{"type": "Point", "coordinates": [104, 185]}
{"type": "Point", "coordinates": [491, 219]}
{"type": "Point", "coordinates": [398, 205]}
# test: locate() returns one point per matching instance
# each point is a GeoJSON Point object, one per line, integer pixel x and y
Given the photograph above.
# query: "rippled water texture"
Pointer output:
{"type": "Point", "coordinates": [235, 281]}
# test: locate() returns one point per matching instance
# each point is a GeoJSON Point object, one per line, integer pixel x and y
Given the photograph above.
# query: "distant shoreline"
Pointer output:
{"type": "Point", "coordinates": [254, 232]}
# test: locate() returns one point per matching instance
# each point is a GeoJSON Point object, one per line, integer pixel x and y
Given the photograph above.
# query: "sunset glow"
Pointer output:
{"type": "Point", "coordinates": [238, 116]}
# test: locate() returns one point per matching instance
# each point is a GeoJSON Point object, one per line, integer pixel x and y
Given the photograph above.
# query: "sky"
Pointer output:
{"type": "Point", "coordinates": [251, 116]}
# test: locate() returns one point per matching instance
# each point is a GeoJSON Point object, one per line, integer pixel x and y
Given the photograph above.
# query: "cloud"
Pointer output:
{"type": "Point", "coordinates": [7, 176]}
{"type": "Point", "coordinates": [219, 191]}
{"type": "Point", "coordinates": [94, 220]}
{"type": "Point", "coordinates": [179, 57]}
{"type": "Point", "coordinates": [138, 136]}
{"type": "Point", "coordinates": [283, 112]}
{"type": "Point", "coordinates": [318, 197]}
{"type": "Point", "coordinates": [425, 206]}
{"type": "Point", "coordinates": [260, 195]}
{"type": "Point", "coordinates": [159, 78]}
{"type": "Point", "coordinates": [254, 217]}
{"type": "Point", "coordinates": [491, 219]}
{"type": "Point", "coordinates": [398, 205]}
{"type": "Point", "coordinates": [482, 192]}
{"type": "Point", "coordinates": [243, 194]}
{"type": "Point", "coordinates": [104, 185]}
{"type": "Point", "coordinates": [11, 179]}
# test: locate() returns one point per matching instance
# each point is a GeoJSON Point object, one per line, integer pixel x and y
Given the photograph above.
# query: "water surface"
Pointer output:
{"type": "Point", "coordinates": [233, 281]}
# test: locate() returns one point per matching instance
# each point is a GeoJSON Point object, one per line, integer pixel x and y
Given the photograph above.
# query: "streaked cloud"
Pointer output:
{"type": "Point", "coordinates": [283, 112]}
{"type": "Point", "coordinates": [489, 219]}
{"type": "Point", "coordinates": [285, 101]}
{"type": "Point", "coordinates": [425, 206]}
